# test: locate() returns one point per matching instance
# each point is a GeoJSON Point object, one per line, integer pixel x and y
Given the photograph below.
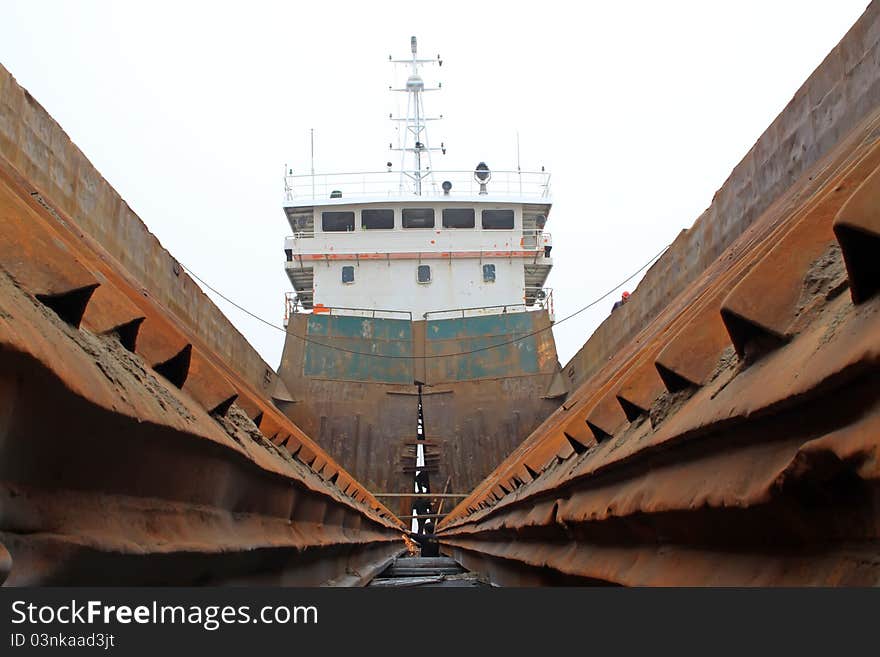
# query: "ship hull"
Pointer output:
{"type": "Point", "coordinates": [478, 405]}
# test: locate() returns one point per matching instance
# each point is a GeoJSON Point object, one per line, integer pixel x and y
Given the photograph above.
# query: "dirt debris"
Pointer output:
{"type": "Point", "coordinates": [242, 429]}
{"type": "Point", "coordinates": [728, 366]}
{"type": "Point", "coordinates": [728, 361]}
{"type": "Point", "coordinates": [839, 318]}
{"type": "Point", "coordinates": [239, 426]}
{"type": "Point", "coordinates": [825, 279]}
{"type": "Point", "coordinates": [124, 370]}
{"type": "Point", "coordinates": [667, 404]}
{"type": "Point", "coordinates": [135, 367]}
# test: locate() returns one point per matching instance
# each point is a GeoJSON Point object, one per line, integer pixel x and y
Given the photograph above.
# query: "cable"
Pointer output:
{"type": "Point", "coordinates": [426, 356]}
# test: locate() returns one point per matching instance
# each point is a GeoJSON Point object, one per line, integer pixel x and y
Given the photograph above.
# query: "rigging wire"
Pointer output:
{"type": "Point", "coordinates": [425, 356]}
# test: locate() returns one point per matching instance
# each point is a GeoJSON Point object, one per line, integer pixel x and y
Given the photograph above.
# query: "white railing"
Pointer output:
{"type": "Point", "coordinates": [391, 185]}
{"type": "Point", "coordinates": [543, 301]}
{"type": "Point", "coordinates": [292, 306]}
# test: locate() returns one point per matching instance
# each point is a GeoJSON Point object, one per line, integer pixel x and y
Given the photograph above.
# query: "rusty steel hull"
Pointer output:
{"type": "Point", "coordinates": [734, 439]}
{"type": "Point", "coordinates": [131, 450]}
{"type": "Point", "coordinates": [477, 409]}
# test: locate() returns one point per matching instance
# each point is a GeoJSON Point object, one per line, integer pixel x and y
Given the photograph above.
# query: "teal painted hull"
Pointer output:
{"type": "Point", "coordinates": [491, 346]}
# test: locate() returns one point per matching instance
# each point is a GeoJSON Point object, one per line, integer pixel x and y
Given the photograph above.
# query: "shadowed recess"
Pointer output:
{"type": "Point", "coordinates": [71, 305]}
{"type": "Point", "coordinates": [176, 368]}
{"type": "Point", "coordinates": [601, 435]}
{"type": "Point", "coordinates": [673, 381]}
{"type": "Point", "coordinates": [223, 407]}
{"type": "Point", "coordinates": [631, 411]}
{"type": "Point", "coordinates": [750, 339]}
{"type": "Point", "coordinates": [128, 332]}
{"type": "Point", "coordinates": [861, 252]}
{"type": "Point", "coordinates": [576, 445]}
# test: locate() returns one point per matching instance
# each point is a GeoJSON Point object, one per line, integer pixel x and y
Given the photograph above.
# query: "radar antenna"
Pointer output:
{"type": "Point", "coordinates": [415, 151]}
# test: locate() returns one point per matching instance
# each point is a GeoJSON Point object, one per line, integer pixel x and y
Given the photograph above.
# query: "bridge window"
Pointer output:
{"type": "Point", "coordinates": [498, 219]}
{"type": "Point", "coordinates": [377, 219]}
{"type": "Point", "coordinates": [458, 218]}
{"type": "Point", "coordinates": [348, 274]}
{"type": "Point", "coordinates": [488, 273]}
{"type": "Point", "coordinates": [424, 274]}
{"type": "Point", "coordinates": [337, 221]}
{"type": "Point", "coordinates": [418, 217]}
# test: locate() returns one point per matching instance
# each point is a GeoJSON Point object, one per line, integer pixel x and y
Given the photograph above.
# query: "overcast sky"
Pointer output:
{"type": "Point", "coordinates": [640, 110]}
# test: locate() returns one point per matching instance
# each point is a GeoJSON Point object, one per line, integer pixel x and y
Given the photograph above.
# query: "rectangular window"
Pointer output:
{"type": "Point", "coordinates": [498, 219]}
{"type": "Point", "coordinates": [377, 219]}
{"type": "Point", "coordinates": [348, 274]}
{"type": "Point", "coordinates": [458, 218]}
{"type": "Point", "coordinates": [418, 217]}
{"type": "Point", "coordinates": [337, 221]}
{"type": "Point", "coordinates": [424, 274]}
{"type": "Point", "coordinates": [488, 273]}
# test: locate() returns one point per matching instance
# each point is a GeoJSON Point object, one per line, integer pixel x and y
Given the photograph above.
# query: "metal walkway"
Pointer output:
{"type": "Point", "coordinates": [432, 572]}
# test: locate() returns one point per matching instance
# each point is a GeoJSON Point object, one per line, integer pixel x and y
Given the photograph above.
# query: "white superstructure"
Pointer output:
{"type": "Point", "coordinates": [416, 241]}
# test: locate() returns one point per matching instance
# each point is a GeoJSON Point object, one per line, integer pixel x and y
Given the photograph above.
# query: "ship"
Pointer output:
{"type": "Point", "coordinates": [419, 349]}
{"type": "Point", "coordinates": [721, 428]}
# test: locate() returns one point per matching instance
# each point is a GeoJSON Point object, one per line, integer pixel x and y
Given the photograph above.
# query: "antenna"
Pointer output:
{"type": "Point", "coordinates": [414, 143]}
{"type": "Point", "coordinates": [312, 134]}
{"type": "Point", "coordinates": [518, 168]}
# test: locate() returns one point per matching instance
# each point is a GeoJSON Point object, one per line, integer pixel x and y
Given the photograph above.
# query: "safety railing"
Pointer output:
{"type": "Point", "coordinates": [543, 300]}
{"type": "Point", "coordinates": [394, 185]}
{"type": "Point", "coordinates": [292, 306]}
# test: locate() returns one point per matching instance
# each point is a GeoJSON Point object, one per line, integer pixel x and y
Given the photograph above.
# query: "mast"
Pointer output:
{"type": "Point", "coordinates": [414, 147]}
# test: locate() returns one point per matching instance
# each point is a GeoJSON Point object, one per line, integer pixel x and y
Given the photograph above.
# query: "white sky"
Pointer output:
{"type": "Point", "coordinates": [640, 110]}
